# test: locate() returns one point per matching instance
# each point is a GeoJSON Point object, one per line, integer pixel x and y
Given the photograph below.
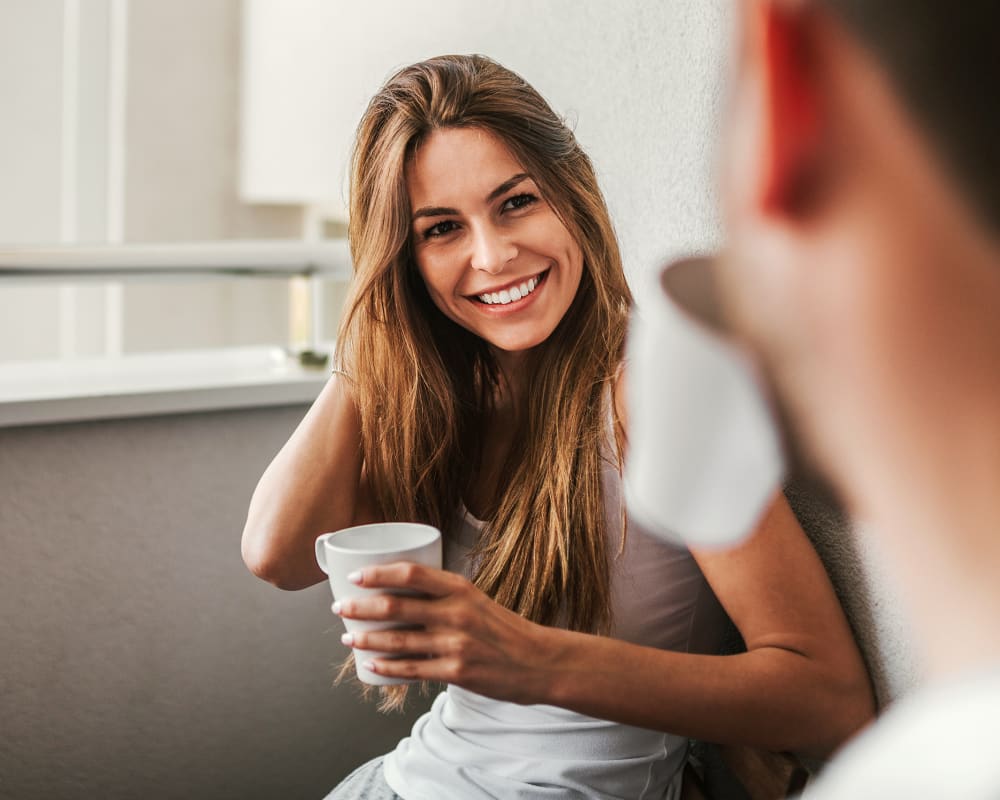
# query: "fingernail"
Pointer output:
{"type": "Point", "coordinates": [336, 607]}
{"type": "Point", "coordinates": [347, 638]}
{"type": "Point", "coordinates": [370, 666]}
{"type": "Point", "coordinates": [354, 577]}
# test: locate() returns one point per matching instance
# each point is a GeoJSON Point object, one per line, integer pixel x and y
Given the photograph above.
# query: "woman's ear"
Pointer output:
{"type": "Point", "coordinates": [790, 132]}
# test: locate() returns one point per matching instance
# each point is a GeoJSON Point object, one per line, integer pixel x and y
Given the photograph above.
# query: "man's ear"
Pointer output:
{"type": "Point", "coordinates": [790, 96]}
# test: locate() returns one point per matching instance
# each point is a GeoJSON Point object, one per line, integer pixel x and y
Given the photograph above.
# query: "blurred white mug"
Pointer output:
{"type": "Point", "coordinates": [345, 551]}
{"type": "Point", "coordinates": [704, 456]}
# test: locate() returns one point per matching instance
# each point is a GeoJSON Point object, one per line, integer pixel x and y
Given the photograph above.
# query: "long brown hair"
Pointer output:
{"type": "Point", "coordinates": [425, 385]}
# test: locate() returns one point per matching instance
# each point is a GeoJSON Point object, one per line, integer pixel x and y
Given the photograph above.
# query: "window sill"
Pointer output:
{"type": "Point", "coordinates": [40, 393]}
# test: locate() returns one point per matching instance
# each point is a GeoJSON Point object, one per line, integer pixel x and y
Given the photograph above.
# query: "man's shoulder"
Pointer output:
{"type": "Point", "coordinates": [941, 741]}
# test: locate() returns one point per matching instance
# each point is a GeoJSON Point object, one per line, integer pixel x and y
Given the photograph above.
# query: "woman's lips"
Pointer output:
{"type": "Point", "coordinates": [515, 293]}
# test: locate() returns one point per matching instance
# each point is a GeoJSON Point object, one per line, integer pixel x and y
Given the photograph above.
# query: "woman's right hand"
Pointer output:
{"type": "Point", "coordinates": [464, 637]}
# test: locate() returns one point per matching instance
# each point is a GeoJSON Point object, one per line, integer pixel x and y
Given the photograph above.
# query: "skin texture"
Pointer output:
{"type": "Point", "coordinates": [869, 290]}
{"type": "Point", "coordinates": [801, 685]}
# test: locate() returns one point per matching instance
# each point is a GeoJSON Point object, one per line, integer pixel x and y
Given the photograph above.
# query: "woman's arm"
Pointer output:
{"type": "Point", "coordinates": [311, 487]}
{"type": "Point", "coordinates": [801, 685]}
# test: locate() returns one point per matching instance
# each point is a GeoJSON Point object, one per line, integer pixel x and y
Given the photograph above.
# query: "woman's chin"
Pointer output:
{"type": "Point", "coordinates": [511, 347]}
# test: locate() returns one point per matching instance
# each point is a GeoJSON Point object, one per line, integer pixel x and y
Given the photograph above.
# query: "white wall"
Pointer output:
{"type": "Point", "coordinates": [31, 49]}
{"type": "Point", "coordinates": [639, 80]}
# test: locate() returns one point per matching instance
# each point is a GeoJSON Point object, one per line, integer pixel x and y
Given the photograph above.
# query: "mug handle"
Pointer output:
{"type": "Point", "coordinates": [321, 554]}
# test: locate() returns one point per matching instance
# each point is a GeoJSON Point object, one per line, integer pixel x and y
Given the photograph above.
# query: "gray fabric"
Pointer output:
{"type": "Point", "coordinates": [366, 783]}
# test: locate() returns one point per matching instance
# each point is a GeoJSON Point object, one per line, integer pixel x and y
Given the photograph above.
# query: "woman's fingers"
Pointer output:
{"type": "Point", "coordinates": [407, 575]}
{"type": "Point", "coordinates": [385, 608]}
{"type": "Point", "coordinates": [434, 669]}
{"type": "Point", "coordinates": [428, 656]}
{"type": "Point", "coordinates": [426, 596]}
{"type": "Point", "coordinates": [418, 642]}
{"type": "Point", "coordinates": [463, 640]}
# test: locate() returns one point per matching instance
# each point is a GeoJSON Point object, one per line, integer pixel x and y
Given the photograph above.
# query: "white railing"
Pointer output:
{"type": "Point", "coordinates": [309, 261]}
{"type": "Point", "coordinates": [102, 387]}
{"type": "Point", "coordinates": [266, 257]}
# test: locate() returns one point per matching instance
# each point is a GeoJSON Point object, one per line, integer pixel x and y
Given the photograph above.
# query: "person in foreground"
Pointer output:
{"type": "Point", "coordinates": [863, 205]}
{"type": "Point", "coordinates": [480, 360]}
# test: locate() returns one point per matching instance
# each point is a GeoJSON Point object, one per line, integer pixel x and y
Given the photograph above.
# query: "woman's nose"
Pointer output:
{"type": "Point", "coordinates": [491, 250]}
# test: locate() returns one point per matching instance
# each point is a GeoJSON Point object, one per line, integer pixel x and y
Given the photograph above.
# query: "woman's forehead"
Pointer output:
{"type": "Point", "coordinates": [456, 166]}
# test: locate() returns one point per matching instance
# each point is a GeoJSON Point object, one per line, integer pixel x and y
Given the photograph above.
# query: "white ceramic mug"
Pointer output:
{"type": "Point", "coordinates": [704, 455]}
{"type": "Point", "coordinates": [345, 551]}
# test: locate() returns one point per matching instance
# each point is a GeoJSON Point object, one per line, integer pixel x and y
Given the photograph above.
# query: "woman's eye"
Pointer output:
{"type": "Point", "coordinates": [447, 226]}
{"type": "Point", "coordinates": [519, 201]}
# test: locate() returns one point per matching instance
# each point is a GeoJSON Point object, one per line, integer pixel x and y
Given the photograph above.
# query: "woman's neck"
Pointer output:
{"type": "Point", "coordinates": [513, 376]}
{"type": "Point", "coordinates": [497, 431]}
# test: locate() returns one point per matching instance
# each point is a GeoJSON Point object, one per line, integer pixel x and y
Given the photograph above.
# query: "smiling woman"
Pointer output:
{"type": "Point", "coordinates": [478, 390]}
{"type": "Point", "coordinates": [494, 255]}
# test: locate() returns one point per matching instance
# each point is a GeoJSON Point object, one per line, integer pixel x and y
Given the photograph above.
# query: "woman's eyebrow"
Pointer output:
{"type": "Point", "coordinates": [441, 211]}
{"type": "Point", "coordinates": [506, 186]}
{"type": "Point", "coordinates": [434, 211]}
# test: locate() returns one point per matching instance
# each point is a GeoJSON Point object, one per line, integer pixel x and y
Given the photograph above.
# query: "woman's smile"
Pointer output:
{"type": "Point", "coordinates": [510, 297]}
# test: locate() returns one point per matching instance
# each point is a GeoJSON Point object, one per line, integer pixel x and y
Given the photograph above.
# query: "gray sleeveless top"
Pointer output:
{"type": "Point", "coordinates": [469, 746]}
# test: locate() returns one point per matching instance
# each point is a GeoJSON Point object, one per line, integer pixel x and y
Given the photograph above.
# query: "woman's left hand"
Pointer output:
{"type": "Point", "coordinates": [465, 638]}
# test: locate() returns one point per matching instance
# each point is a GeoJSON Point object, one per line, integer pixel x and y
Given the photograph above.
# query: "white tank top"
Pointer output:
{"type": "Point", "coordinates": [469, 746]}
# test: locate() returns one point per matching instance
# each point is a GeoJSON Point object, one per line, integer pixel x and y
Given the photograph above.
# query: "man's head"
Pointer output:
{"type": "Point", "coordinates": [862, 195]}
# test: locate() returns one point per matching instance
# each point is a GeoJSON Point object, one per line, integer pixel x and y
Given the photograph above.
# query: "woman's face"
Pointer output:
{"type": "Point", "coordinates": [493, 254]}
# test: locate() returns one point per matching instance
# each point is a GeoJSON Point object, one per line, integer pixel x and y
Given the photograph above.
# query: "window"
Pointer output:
{"type": "Point", "coordinates": [104, 145]}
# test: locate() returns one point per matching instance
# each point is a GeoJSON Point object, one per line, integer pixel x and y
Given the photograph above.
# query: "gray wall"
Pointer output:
{"type": "Point", "coordinates": [140, 658]}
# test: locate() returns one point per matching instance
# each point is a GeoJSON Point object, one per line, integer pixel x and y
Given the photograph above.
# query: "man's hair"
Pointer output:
{"type": "Point", "coordinates": [942, 58]}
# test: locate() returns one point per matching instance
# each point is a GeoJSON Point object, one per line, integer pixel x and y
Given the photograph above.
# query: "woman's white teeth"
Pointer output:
{"type": "Point", "coordinates": [510, 295]}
